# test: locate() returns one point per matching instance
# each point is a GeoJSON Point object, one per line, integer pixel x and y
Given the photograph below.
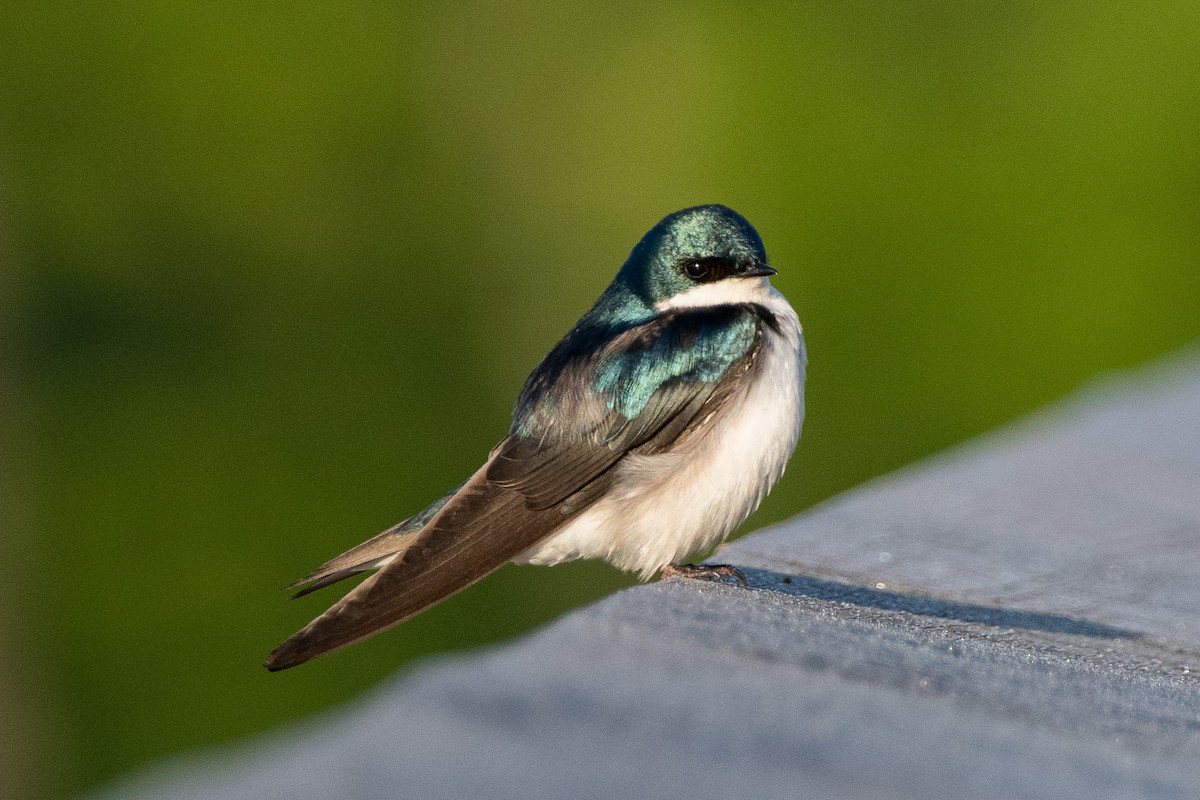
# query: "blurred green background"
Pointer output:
{"type": "Point", "coordinates": [273, 275]}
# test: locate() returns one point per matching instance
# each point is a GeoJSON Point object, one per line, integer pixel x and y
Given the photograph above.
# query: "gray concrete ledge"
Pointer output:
{"type": "Point", "coordinates": [1015, 618]}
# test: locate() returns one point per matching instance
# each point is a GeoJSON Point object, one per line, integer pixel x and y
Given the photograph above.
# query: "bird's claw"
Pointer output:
{"type": "Point", "coordinates": [704, 572]}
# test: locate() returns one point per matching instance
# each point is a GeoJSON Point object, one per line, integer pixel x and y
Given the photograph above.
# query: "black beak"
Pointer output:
{"type": "Point", "coordinates": [757, 270]}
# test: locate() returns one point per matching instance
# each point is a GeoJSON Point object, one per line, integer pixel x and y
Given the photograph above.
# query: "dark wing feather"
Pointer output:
{"type": "Point", "coordinates": [681, 375]}
{"type": "Point", "coordinates": [548, 474]}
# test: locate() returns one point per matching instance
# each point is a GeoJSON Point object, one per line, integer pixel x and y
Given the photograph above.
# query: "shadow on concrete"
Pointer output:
{"type": "Point", "coordinates": [890, 600]}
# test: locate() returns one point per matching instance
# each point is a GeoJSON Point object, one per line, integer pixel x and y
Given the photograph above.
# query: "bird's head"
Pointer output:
{"type": "Point", "coordinates": [706, 255]}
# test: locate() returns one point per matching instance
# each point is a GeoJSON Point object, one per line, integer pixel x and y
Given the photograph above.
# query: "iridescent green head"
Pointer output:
{"type": "Point", "coordinates": [695, 246]}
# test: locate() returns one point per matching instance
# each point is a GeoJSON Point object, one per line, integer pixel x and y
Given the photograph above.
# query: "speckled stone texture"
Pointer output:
{"type": "Point", "coordinates": [1019, 617]}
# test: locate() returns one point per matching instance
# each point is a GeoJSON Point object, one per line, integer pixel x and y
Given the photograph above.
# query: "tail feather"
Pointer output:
{"type": "Point", "coordinates": [475, 532]}
{"type": "Point", "coordinates": [328, 578]}
{"type": "Point", "coordinates": [369, 555]}
{"type": "Point", "coordinates": [372, 554]}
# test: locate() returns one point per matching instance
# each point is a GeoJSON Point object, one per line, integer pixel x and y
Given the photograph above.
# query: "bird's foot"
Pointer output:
{"type": "Point", "coordinates": [704, 572]}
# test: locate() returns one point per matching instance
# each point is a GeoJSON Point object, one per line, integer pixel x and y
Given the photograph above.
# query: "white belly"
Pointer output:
{"type": "Point", "coordinates": [663, 507]}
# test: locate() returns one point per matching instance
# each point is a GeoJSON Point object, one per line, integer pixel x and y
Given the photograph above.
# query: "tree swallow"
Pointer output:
{"type": "Point", "coordinates": [651, 431]}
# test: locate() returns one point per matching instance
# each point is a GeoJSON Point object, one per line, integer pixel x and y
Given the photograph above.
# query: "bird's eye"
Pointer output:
{"type": "Point", "coordinates": [706, 269]}
{"type": "Point", "coordinates": [696, 269]}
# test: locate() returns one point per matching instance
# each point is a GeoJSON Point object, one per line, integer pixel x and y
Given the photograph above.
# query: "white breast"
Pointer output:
{"type": "Point", "coordinates": [663, 507]}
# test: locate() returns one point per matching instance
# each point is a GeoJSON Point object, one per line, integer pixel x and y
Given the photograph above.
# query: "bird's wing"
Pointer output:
{"type": "Point", "coordinates": [642, 391]}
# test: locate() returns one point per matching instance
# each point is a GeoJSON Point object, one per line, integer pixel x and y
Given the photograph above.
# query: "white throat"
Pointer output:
{"type": "Point", "coordinates": [725, 292]}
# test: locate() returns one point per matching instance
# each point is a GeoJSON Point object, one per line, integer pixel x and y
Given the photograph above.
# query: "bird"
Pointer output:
{"type": "Point", "coordinates": [651, 431]}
